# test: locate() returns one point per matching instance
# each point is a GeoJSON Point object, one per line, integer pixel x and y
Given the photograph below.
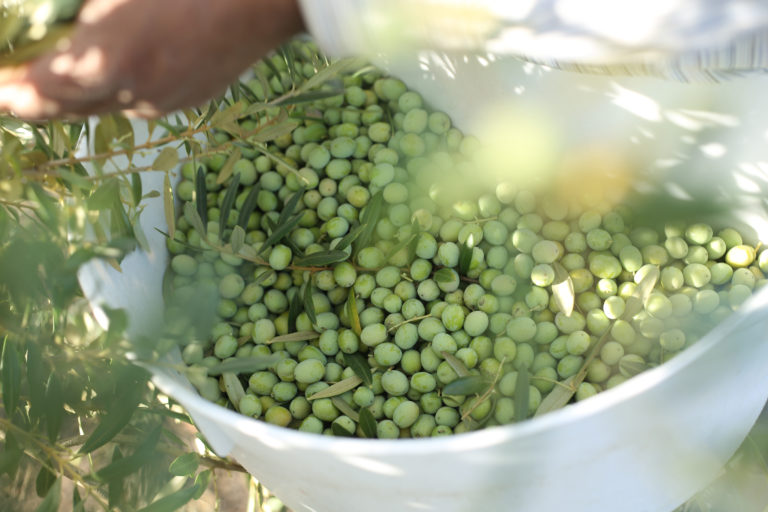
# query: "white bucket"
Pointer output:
{"type": "Point", "coordinates": [646, 445]}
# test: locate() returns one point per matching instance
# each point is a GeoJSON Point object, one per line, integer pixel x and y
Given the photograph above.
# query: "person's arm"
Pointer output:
{"type": "Point", "coordinates": [147, 56]}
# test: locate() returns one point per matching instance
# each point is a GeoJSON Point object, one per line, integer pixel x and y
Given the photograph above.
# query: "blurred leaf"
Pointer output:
{"type": "Point", "coordinates": [632, 368]}
{"type": "Point", "coordinates": [290, 206]}
{"type": "Point", "coordinates": [294, 308]}
{"type": "Point", "coordinates": [237, 239]}
{"type": "Point", "coordinates": [444, 275]}
{"type": "Point", "coordinates": [248, 206]}
{"type": "Point", "coordinates": [368, 220]}
{"type": "Point", "coordinates": [367, 423]}
{"type": "Point", "coordinates": [106, 195]}
{"type": "Point", "coordinates": [166, 160]}
{"type": "Point", "coordinates": [309, 304]}
{"type": "Point", "coordinates": [130, 389]}
{"type": "Point", "coordinates": [201, 483]}
{"type": "Point", "coordinates": [45, 479]}
{"type": "Point", "coordinates": [522, 393]}
{"type": "Point", "coordinates": [360, 366]}
{"type": "Point", "coordinates": [11, 376]}
{"type": "Point", "coordinates": [168, 207]}
{"type": "Point", "coordinates": [469, 385]}
{"type": "Point", "coordinates": [247, 365]}
{"type": "Point", "coordinates": [636, 301]}
{"type": "Point", "coordinates": [227, 119]}
{"type": "Point", "coordinates": [193, 217]}
{"type": "Point", "coordinates": [226, 170]}
{"type": "Point", "coordinates": [201, 196]}
{"type": "Point", "coordinates": [339, 388]}
{"type": "Point", "coordinates": [321, 258]}
{"type": "Point", "coordinates": [465, 257]}
{"type": "Point", "coordinates": [10, 456]}
{"type": "Point", "coordinates": [78, 505]}
{"type": "Point", "coordinates": [116, 488]}
{"type": "Point", "coordinates": [174, 501]}
{"type": "Point", "coordinates": [136, 191]}
{"type": "Point", "coordinates": [233, 387]}
{"type": "Point", "coordinates": [227, 203]}
{"type": "Point", "coordinates": [54, 406]}
{"type": "Point", "coordinates": [332, 71]}
{"type": "Point", "coordinates": [309, 97]}
{"type": "Point", "coordinates": [185, 465]}
{"type": "Point", "coordinates": [52, 499]}
{"type": "Point", "coordinates": [559, 397]}
{"type": "Point", "coordinates": [345, 408]}
{"type": "Point", "coordinates": [124, 466]}
{"type": "Point", "coordinates": [36, 376]}
{"type": "Point", "coordinates": [294, 336]}
{"type": "Point", "coordinates": [455, 363]}
{"type": "Point", "coordinates": [562, 289]}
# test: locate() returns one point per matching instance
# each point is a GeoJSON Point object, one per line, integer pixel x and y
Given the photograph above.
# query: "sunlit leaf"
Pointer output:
{"type": "Point", "coordinates": [562, 289]}
{"type": "Point", "coordinates": [368, 220]}
{"type": "Point", "coordinates": [455, 363]}
{"type": "Point", "coordinates": [339, 388]}
{"type": "Point", "coordinates": [444, 275]}
{"type": "Point", "coordinates": [166, 160]}
{"type": "Point", "coordinates": [635, 302]}
{"type": "Point", "coordinates": [345, 408]}
{"type": "Point", "coordinates": [233, 387]}
{"type": "Point", "coordinates": [245, 365]}
{"type": "Point", "coordinates": [559, 397]}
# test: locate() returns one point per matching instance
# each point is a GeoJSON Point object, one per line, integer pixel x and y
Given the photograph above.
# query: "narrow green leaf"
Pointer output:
{"type": "Point", "coordinates": [226, 170]}
{"type": "Point", "coordinates": [202, 480]}
{"type": "Point", "coordinates": [233, 387]}
{"type": "Point", "coordinates": [52, 499]}
{"type": "Point", "coordinates": [294, 308]}
{"type": "Point", "coordinates": [455, 363]}
{"type": "Point", "coordinates": [281, 231]}
{"type": "Point", "coordinates": [131, 386]}
{"type": "Point", "coordinates": [350, 237]}
{"type": "Point", "coordinates": [322, 258]}
{"type": "Point", "coordinates": [295, 249]}
{"type": "Point", "coordinates": [168, 207]}
{"type": "Point", "coordinates": [37, 372]}
{"type": "Point", "coordinates": [469, 385]}
{"type": "Point", "coordinates": [263, 276]}
{"type": "Point", "coordinates": [368, 220]}
{"type": "Point", "coordinates": [367, 423]}
{"type": "Point", "coordinates": [173, 501]}
{"type": "Point", "coordinates": [124, 466]}
{"type": "Point", "coordinates": [308, 97]}
{"type": "Point", "coordinates": [465, 256]}
{"type": "Point", "coordinates": [558, 398]}
{"type": "Point", "coordinates": [166, 160]}
{"type": "Point", "coordinates": [632, 368]}
{"type": "Point", "coordinates": [294, 336]}
{"type": "Point", "coordinates": [45, 479]}
{"type": "Point", "coordinates": [359, 365]}
{"type": "Point", "coordinates": [106, 195]}
{"type": "Point", "coordinates": [228, 202]}
{"type": "Point", "coordinates": [354, 316]}
{"type": "Point", "coordinates": [275, 128]}
{"type": "Point", "coordinates": [309, 304]}
{"type": "Point", "coordinates": [332, 71]}
{"type": "Point", "coordinates": [522, 394]}
{"type": "Point", "coordinates": [227, 119]}
{"type": "Point", "coordinates": [78, 505]}
{"type": "Point", "coordinates": [11, 376]}
{"type": "Point", "coordinates": [340, 431]}
{"type": "Point", "coordinates": [193, 217]}
{"type": "Point", "coordinates": [636, 301]}
{"type": "Point", "coordinates": [248, 206]}
{"type": "Point", "coordinates": [237, 239]}
{"type": "Point", "coordinates": [185, 465]}
{"type": "Point", "coordinates": [290, 206]}
{"type": "Point", "coordinates": [339, 388]}
{"type": "Point", "coordinates": [562, 289]}
{"type": "Point", "coordinates": [444, 275]}
{"type": "Point", "coordinates": [246, 365]}
{"type": "Point", "coordinates": [10, 456]}
{"type": "Point", "coordinates": [116, 487]}
{"type": "Point", "coordinates": [345, 408]}
{"type": "Point", "coordinates": [136, 190]}
{"type": "Point", "coordinates": [201, 196]}
{"type": "Point", "coordinates": [54, 407]}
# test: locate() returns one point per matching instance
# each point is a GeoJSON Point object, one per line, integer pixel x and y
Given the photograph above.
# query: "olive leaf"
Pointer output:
{"type": "Point", "coordinates": [294, 336]}
{"type": "Point", "coordinates": [635, 302]}
{"type": "Point", "coordinates": [185, 465]}
{"type": "Point", "coordinates": [522, 392]}
{"type": "Point", "coordinates": [339, 388]}
{"type": "Point", "coordinates": [124, 466]}
{"type": "Point", "coordinates": [294, 308]}
{"type": "Point", "coordinates": [136, 189]}
{"type": "Point", "coordinates": [248, 206]}
{"type": "Point", "coordinates": [360, 366]}
{"type": "Point", "coordinates": [168, 207]}
{"type": "Point", "coordinates": [280, 232]}
{"type": "Point", "coordinates": [226, 170]}
{"type": "Point", "coordinates": [465, 255]}
{"type": "Point", "coordinates": [345, 408]}
{"type": "Point", "coordinates": [237, 239]}
{"type": "Point", "coordinates": [354, 316]}
{"type": "Point", "coordinates": [335, 69]}
{"type": "Point", "coordinates": [308, 97]}
{"type": "Point", "coordinates": [321, 258]}
{"type": "Point", "coordinates": [166, 160]}
{"type": "Point", "coordinates": [444, 275]}
{"type": "Point", "coordinates": [469, 385]}
{"type": "Point", "coordinates": [368, 221]}
{"type": "Point", "coordinates": [562, 289]}
{"type": "Point", "coordinates": [201, 195]}
{"type": "Point", "coordinates": [245, 365]}
{"type": "Point", "coordinates": [455, 363]}
{"type": "Point", "coordinates": [559, 397]}
{"type": "Point", "coordinates": [227, 203]}
{"type": "Point", "coordinates": [191, 214]}
{"type": "Point", "coordinates": [11, 375]}
{"type": "Point", "coordinates": [350, 237]}
{"type": "Point", "coordinates": [367, 423]}
{"type": "Point", "coordinates": [340, 431]}
{"type": "Point", "coordinates": [632, 368]}
{"type": "Point", "coordinates": [309, 304]}
{"type": "Point", "coordinates": [233, 387]}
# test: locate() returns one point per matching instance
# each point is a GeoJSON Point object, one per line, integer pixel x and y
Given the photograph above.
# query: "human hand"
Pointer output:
{"type": "Point", "coordinates": [147, 57]}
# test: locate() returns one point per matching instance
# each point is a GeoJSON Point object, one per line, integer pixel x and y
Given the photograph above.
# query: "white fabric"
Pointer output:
{"type": "Point", "coordinates": [679, 39]}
